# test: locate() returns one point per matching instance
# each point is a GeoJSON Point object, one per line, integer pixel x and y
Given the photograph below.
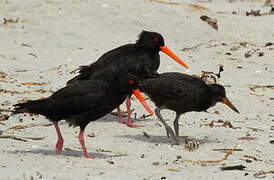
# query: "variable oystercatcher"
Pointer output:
{"type": "Point", "coordinates": [82, 103]}
{"type": "Point", "coordinates": [182, 93]}
{"type": "Point", "coordinates": [141, 59]}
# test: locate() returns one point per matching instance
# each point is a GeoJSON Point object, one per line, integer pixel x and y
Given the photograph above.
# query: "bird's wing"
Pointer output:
{"type": "Point", "coordinates": [109, 58]}
{"type": "Point", "coordinates": [154, 87]}
{"type": "Point", "coordinates": [107, 63]}
{"type": "Point", "coordinates": [77, 98]}
{"type": "Point", "coordinates": [173, 86]}
{"type": "Point", "coordinates": [138, 62]}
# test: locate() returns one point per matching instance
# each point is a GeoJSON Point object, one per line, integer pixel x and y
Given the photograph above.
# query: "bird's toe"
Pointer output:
{"type": "Point", "coordinates": [89, 156]}
{"type": "Point", "coordinates": [130, 124]}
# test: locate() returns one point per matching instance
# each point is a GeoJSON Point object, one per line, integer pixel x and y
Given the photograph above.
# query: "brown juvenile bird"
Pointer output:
{"type": "Point", "coordinates": [182, 93]}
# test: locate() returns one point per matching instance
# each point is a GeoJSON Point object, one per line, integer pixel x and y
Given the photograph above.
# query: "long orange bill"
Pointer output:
{"type": "Point", "coordinates": [229, 104]}
{"type": "Point", "coordinates": [138, 95]}
{"type": "Point", "coordinates": [173, 56]}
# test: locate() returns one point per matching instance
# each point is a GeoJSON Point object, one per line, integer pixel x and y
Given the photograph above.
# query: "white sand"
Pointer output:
{"type": "Point", "coordinates": [65, 34]}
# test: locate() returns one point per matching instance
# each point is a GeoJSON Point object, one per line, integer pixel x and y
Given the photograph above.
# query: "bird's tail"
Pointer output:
{"type": "Point", "coordinates": [73, 80]}
{"type": "Point", "coordinates": [28, 107]}
{"type": "Point", "coordinates": [84, 73]}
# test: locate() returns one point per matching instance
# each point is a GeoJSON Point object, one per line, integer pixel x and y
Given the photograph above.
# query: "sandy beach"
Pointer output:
{"type": "Point", "coordinates": [43, 41]}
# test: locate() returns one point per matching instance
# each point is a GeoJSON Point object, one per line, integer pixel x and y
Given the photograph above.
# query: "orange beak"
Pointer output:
{"type": "Point", "coordinates": [173, 56]}
{"type": "Point", "coordinates": [138, 95]}
{"type": "Point", "coordinates": [229, 104]}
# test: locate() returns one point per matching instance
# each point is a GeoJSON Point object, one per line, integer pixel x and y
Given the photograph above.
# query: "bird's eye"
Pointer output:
{"type": "Point", "coordinates": [130, 82]}
{"type": "Point", "coordinates": [156, 39]}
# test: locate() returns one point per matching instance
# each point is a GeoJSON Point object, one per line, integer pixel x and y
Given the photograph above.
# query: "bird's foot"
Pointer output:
{"type": "Point", "coordinates": [192, 145]}
{"type": "Point", "coordinates": [59, 152]}
{"type": "Point", "coordinates": [130, 124]}
{"type": "Point", "coordinates": [121, 121]}
{"type": "Point", "coordinates": [176, 141]}
{"type": "Point", "coordinates": [169, 132]}
{"type": "Point", "coordinates": [59, 147]}
{"type": "Point", "coordinates": [86, 155]}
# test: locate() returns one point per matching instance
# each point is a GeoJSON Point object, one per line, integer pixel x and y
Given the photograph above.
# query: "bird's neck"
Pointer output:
{"type": "Point", "coordinates": [213, 100]}
{"type": "Point", "coordinates": [148, 47]}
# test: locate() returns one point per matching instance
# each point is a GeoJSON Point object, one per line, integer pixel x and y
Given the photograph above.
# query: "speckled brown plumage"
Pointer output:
{"type": "Point", "coordinates": [182, 93]}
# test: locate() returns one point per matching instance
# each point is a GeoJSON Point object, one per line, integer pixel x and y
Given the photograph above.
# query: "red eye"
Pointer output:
{"type": "Point", "coordinates": [156, 39]}
{"type": "Point", "coordinates": [130, 82]}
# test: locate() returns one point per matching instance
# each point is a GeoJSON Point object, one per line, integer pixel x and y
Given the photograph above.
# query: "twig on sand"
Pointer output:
{"type": "Point", "coordinates": [51, 69]}
{"type": "Point", "coordinates": [33, 83]}
{"type": "Point", "coordinates": [24, 139]}
{"type": "Point", "coordinates": [229, 168]}
{"type": "Point", "coordinates": [225, 124]}
{"type": "Point", "coordinates": [123, 113]}
{"type": "Point", "coordinates": [165, 2]}
{"type": "Point", "coordinates": [258, 12]}
{"type": "Point", "coordinates": [210, 21]}
{"type": "Point", "coordinates": [253, 87]}
{"type": "Point", "coordinates": [35, 138]}
{"type": "Point", "coordinates": [145, 134]}
{"type": "Point", "coordinates": [255, 129]}
{"type": "Point", "coordinates": [211, 124]}
{"type": "Point", "coordinates": [252, 157]}
{"type": "Point", "coordinates": [261, 173]}
{"type": "Point", "coordinates": [116, 154]}
{"type": "Point", "coordinates": [6, 110]}
{"type": "Point", "coordinates": [205, 162]}
{"type": "Point", "coordinates": [193, 6]}
{"type": "Point", "coordinates": [227, 149]}
{"type": "Point", "coordinates": [17, 127]}
{"type": "Point", "coordinates": [4, 117]}
{"type": "Point", "coordinates": [247, 138]}
{"type": "Point", "coordinates": [210, 162]}
{"type": "Point", "coordinates": [10, 21]}
{"type": "Point", "coordinates": [211, 77]}
{"type": "Point", "coordinates": [31, 54]}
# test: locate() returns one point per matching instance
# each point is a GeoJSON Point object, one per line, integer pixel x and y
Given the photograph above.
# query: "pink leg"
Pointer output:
{"type": "Point", "coordinates": [60, 141]}
{"type": "Point", "coordinates": [82, 142]}
{"type": "Point", "coordinates": [120, 118]}
{"type": "Point", "coordinates": [129, 120]}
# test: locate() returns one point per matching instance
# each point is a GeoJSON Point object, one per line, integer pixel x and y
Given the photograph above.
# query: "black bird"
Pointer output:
{"type": "Point", "coordinates": [182, 93]}
{"type": "Point", "coordinates": [82, 103]}
{"type": "Point", "coordinates": [140, 59]}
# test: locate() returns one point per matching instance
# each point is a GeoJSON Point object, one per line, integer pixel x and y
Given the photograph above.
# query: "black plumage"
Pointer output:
{"type": "Point", "coordinates": [82, 103]}
{"type": "Point", "coordinates": [182, 93]}
{"type": "Point", "coordinates": [140, 59]}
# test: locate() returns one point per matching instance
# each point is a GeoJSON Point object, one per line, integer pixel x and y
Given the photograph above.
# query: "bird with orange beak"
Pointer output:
{"type": "Point", "coordinates": [141, 59]}
{"type": "Point", "coordinates": [182, 93]}
{"type": "Point", "coordinates": [81, 103]}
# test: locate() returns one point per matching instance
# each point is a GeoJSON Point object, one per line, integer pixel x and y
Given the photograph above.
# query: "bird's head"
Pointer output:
{"type": "Point", "coordinates": [151, 40]}
{"type": "Point", "coordinates": [155, 41]}
{"type": "Point", "coordinates": [219, 95]}
{"type": "Point", "coordinates": [129, 84]}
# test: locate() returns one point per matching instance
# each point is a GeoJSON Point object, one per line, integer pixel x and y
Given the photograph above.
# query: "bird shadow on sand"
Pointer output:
{"type": "Point", "coordinates": [164, 139]}
{"type": "Point", "coordinates": [66, 153]}
{"type": "Point", "coordinates": [114, 118]}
